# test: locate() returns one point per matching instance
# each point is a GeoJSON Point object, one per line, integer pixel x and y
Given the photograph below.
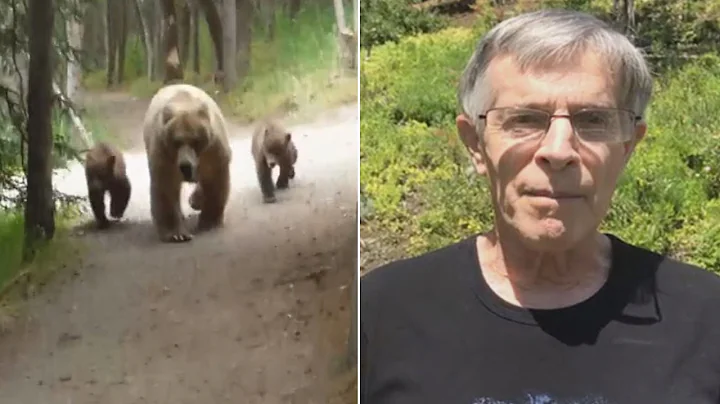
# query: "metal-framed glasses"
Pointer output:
{"type": "Point", "coordinates": [599, 125]}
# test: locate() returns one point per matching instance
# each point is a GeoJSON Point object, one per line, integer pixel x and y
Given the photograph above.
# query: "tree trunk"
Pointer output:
{"type": "Point", "coordinates": [39, 207]}
{"type": "Point", "coordinates": [616, 9]}
{"type": "Point", "coordinates": [339, 14]}
{"type": "Point", "coordinates": [110, 25]}
{"type": "Point", "coordinates": [173, 64]}
{"type": "Point", "coordinates": [294, 8]}
{"type": "Point", "coordinates": [146, 39]}
{"type": "Point", "coordinates": [185, 16]}
{"type": "Point", "coordinates": [346, 38]}
{"type": "Point", "coordinates": [158, 50]}
{"type": "Point", "coordinates": [216, 31]}
{"type": "Point", "coordinates": [630, 14]}
{"type": "Point", "coordinates": [267, 11]}
{"type": "Point", "coordinates": [243, 37]}
{"type": "Point", "coordinates": [229, 45]}
{"type": "Point", "coordinates": [122, 42]}
{"type": "Point", "coordinates": [74, 68]}
{"type": "Point", "coordinates": [356, 19]}
{"type": "Point", "coordinates": [93, 36]}
{"type": "Point", "coordinates": [102, 12]}
{"type": "Point", "coordinates": [196, 39]}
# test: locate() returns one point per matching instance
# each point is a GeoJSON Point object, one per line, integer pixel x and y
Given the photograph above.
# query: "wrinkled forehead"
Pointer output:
{"type": "Point", "coordinates": [581, 81]}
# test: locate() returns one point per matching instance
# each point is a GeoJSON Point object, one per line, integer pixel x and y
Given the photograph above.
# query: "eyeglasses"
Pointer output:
{"type": "Point", "coordinates": [601, 125]}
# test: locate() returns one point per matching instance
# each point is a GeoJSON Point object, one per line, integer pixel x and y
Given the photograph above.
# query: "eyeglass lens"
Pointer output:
{"type": "Point", "coordinates": [600, 125]}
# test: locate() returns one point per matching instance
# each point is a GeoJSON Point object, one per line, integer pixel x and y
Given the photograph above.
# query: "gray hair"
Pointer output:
{"type": "Point", "coordinates": [550, 37]}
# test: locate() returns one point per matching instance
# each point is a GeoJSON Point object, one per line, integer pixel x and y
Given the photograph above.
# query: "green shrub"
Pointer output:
{"type": "Point", "coordinates": [389, 20]}
{"type": "Point", "coordinates": [416, 78]}
{"type": "Point", "coordinates": [699, 241]}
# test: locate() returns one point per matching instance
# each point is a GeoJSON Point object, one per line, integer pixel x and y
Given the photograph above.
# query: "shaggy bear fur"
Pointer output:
{"type": "Point", "coordinates": [105, 172]}
{"type": "Point", "coordinates": [272, 145]}
{"type": "Point", "coordinates": [186, 140]}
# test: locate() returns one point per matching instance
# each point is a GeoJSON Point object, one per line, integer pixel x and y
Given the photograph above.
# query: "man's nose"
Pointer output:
{"type": "Point", "coordinates": [560, 145]}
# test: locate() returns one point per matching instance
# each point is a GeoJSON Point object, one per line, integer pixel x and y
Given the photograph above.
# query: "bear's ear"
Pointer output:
{"type": "Point", "coordinates": [203, 111]}
{"type": "Point", "coordinates": [167, 114]}
{"type": "Point", "coordinates": [288, 137]}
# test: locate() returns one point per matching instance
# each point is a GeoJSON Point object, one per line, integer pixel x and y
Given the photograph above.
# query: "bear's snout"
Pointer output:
{"type": "Point", "coordinates": [187, 171]}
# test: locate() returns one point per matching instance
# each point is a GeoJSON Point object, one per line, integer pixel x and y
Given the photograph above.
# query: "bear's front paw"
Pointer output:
{"type": "Point", "coordinates": [269, 198]}
{"type": "Point", "coordinates": [103, 224]}
{"type": "Point", "coordinates": [178, 237]}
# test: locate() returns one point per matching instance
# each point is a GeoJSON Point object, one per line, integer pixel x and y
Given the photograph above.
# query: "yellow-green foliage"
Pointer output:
{"type": "Point", "coordinates": [414, 170]}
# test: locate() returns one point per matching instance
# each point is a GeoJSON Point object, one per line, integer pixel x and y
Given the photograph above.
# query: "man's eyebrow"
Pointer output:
{"type": "Point", "coordinates": [573, 106]}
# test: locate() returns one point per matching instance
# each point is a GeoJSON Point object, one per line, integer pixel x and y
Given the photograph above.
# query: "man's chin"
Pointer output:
{"type": "Point", "coordinates": [549, 234]}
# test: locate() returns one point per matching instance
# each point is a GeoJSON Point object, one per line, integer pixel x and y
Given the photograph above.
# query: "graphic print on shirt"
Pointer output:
{"type": "Point", "coordinates": [544, 399]}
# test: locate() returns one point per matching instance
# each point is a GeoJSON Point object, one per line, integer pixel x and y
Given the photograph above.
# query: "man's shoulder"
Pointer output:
{"type": "Point", "coordinates": [415, 272]}
{"type": "Point", "coordinates": [674, 277]}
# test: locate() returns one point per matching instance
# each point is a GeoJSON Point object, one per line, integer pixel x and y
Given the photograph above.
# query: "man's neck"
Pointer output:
{"type": "Point", "coordinates": [544, 280]}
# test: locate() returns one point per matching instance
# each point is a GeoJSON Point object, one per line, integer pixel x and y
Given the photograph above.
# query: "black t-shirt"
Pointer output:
{"type": "Point", "coordinates": [432, 331]}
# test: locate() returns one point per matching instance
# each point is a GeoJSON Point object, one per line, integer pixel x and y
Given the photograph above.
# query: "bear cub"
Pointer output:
{"type": "Point", "coordinates": [105, 172]}
{"type": "Point", "coordinates": [272, 145]}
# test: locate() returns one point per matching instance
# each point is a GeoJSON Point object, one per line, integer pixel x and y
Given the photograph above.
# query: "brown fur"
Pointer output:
{"type": "Point", "coordinates": [185, 127]}
{"type": "Point", "coordinates": [272, 145]}
{"type": "Point", "coordinates": [105, 172]}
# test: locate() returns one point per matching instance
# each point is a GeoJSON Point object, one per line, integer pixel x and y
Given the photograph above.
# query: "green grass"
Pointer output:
{"type": "Point", "coordinates": [18, 278]}
{"type": "Point", "coordinates": [413, 169]}
{"type": "Point", "coordinates": [11, 242]}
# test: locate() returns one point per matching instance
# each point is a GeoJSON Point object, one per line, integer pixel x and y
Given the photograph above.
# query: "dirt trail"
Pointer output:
{"type": "Point", "coordinates": [255, 312]}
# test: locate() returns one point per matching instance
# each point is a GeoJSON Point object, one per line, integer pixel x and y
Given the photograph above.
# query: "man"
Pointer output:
{"type": "Point", "coordinates": [544, 308]}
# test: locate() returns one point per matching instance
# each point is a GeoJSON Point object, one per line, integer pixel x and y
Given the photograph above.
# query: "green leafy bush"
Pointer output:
{"type": "Point", "coordinates": [389, 20]}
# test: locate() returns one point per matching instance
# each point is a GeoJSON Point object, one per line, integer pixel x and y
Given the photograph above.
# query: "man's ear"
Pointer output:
{"type": "Point", "coordinates": [639, 135]}
{"type": "Point", "coordinates": [471, 139]}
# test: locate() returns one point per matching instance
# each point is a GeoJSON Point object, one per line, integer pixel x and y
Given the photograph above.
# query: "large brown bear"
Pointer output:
{"type": "Point", "coordinates": [272, 145]}
{"type": "Point", "coordinates": [105, 172]}
{"type": "Point", "coordinates": [186, 140]}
